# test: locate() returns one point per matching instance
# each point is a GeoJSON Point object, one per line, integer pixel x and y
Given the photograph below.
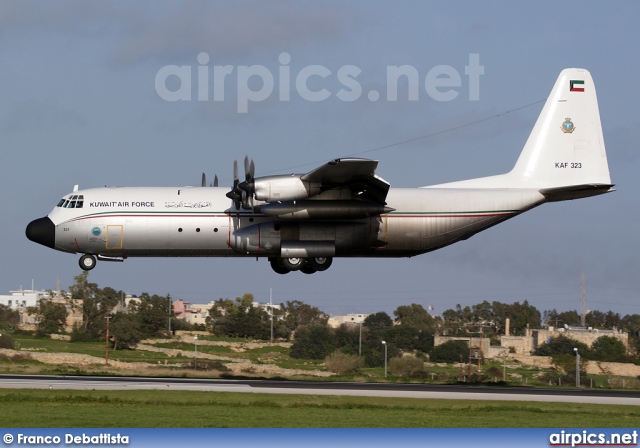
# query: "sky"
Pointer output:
{"type": "Point", "coordinates": [86, 100]}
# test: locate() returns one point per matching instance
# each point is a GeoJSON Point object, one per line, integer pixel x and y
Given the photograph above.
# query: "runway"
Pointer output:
{"type": "Point", "coordinates": [422, 391]}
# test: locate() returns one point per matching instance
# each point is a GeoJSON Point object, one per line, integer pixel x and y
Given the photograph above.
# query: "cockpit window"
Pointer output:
{"type": "Point", "coordinates": [75, 201]}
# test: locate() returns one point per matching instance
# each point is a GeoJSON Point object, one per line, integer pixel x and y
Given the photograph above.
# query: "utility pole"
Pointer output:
{"type": "Point", "coordinates": [106, 346]}
{"type": "Point", "coordinates": [583, 301]}
{"type": "Point", "coordinates": [271, 313]}
{"type": "Point", "coordinates": [170, 312]}
{"type": "Point", "coordinates": [577, 367]}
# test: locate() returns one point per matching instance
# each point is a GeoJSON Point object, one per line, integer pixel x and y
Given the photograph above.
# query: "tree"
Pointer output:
{"type": "Point", "coordinates": [7, 341]}
{"type": "Point", "coordinates": [8, 319]}
{"type": "Point", "coordinates": [558, 320]}
{"type": "Point", "coordinates": [297, 313]}
{"type": "Point", "coordinates": [51, 317]}
{"type": "Point", "coordinates": [403, 336]}
{"type": "Point", "coordinates": [631, 324]}
{"type": "Point", "coordinates": [96, 304]}
{"type": "Point", "coordinates": [415, 316]}
{"type": "Point", "coordinates": [312, 341]}
{"type": "Point", "coordinates": [373, 350]}
{"type": "Point", "coordinates": [523, 316]}
{"type": "Point", "coordinates": [561, 345]}
{"type": "Point", "coordinates": [378, 320]}
{"type": "Point", "coordinates": [347, 339]}
{"type": "Point", "coordinates": [153, 314]}
{"type": "Point", "coordinates": [608, 348]}
{"type": "Point", "coordinates": [450, 352]}
{"type": "Point", "coordinates": [125, 331]}
{"type": "Point", "coordinates": [244, 322]}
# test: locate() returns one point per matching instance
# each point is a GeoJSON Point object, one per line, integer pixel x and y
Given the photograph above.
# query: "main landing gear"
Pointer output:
{"type": "Point", "coordinates": [305, 265]}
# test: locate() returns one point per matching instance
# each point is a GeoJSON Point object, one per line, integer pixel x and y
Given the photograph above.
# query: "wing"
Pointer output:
{"type": "Point", "coordinates": [341, 189]}
{"type": "Point", "coordinates": [356, 174]}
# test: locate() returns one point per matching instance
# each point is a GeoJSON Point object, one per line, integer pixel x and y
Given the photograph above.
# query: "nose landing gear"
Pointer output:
{"type": "Point", "coordinates": [87, 262]}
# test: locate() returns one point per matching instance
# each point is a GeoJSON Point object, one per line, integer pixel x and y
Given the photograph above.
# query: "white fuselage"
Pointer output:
{"type": "Point", "coordinates": [202, 221]}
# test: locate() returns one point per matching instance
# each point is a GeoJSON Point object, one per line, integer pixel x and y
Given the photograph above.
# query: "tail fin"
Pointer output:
{"type": "Point", "coordinates": [566, 146]}
{"type": "Point", "coordinates": [564, 156]}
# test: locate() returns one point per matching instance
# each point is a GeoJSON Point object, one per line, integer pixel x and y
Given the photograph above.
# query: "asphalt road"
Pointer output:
{"type": "Point", "coordinates": [323, 388]}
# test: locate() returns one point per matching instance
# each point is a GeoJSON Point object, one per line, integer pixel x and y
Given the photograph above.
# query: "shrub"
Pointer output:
{"type": "Point", "coordinates": [17, 357]}
{"type": "Point", "coordinates": [6, 341]}
{"type": "Point", "coordinates": [313, 341]}
{"type": "Point", "coordinates": [338, 362]}
{"type": "Point", "coordinates": [409, 366]}
{"type": "Point", "coordinates": [450, 352]}
{"type": "Point", "coordinates": [607, 348]}
{"type": "Point", "coordinates": [561, 345]}
{"type": "Point", "coordinates": [495, 372]}
{"type": "Point", "coordinates": [206, 364]}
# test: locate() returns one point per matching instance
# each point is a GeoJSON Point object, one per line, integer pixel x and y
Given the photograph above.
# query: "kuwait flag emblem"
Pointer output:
{"type": "Point", "coordinates": [576, 86]}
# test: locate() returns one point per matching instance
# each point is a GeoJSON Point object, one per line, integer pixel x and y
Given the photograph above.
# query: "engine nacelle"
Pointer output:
{"type": "Point", "coordinates": [284, 188]}
{"type": "Point", "coordinates": [256, 239]}
{"type": "Point", "coordinates": [324, 209]}
{"type": "Point", "coordinates": [304, 239]}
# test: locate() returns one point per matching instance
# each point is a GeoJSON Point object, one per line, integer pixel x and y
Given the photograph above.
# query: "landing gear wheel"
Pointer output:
{"type": "Point", "coordinates": [293, 264]}
{"type": "Point", "coordinates": [308, 269]}
{"type": "Point", "coordinates": [87, 262]}
{"type": "Point", "coordinates": [277, 266]}
{"type": "Point", "coordinates": [320, 263]}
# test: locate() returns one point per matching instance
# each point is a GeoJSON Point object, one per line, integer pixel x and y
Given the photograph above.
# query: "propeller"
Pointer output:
{"type": "Point", "coordinates": [235, 194]}
{"type": "Point", "coordinates": [242, 192]}
{"type": "Point", "coordinates": [204, 181]}
{"type": "Point", "coordinates": [247, 185]}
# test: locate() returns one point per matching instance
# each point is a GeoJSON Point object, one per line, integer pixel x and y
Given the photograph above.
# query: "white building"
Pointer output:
{"type": "Point", "coordinates": [352, 319]}
{"type": "Point", "coordinates": [266, 306]}
{"type": "Point", "coordinates": [197, 313]}
{"type": "Point", "coordinates": [19, 300]}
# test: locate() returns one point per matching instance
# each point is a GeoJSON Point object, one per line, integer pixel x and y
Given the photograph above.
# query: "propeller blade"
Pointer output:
{"type": "Point", "coordinates": [235, 194]}
{"type": "Point", "coordinates": [215, 180]}
{"type": "Point", "coordinates": [204, 180]}
{"type": "Point", "coordinates": [246, 166]}
{"type": "Point", "coordinates": [235, 173]}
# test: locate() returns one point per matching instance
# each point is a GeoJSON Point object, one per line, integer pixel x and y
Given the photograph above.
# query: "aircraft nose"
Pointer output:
{"type": "Point", "coordinates": [42, 231]}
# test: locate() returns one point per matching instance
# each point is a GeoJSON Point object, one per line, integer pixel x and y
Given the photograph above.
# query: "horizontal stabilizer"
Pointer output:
{"type": "Point", "coordinates": [575, 192]}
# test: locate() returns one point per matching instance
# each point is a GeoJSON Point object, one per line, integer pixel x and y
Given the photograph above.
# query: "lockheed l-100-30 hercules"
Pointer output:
{"type": "Point", "coordinates": [341, 209]}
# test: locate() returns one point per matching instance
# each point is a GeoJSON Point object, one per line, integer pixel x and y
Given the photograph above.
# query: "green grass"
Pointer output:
{"type": "Point", "coordinates": [142, 409]}
{"type": "Point", "coordinates": [94, 349]}
{"type": "Point", "coordinates": [208, 349]}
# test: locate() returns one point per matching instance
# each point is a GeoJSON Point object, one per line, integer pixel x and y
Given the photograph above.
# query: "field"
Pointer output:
{"type": "Point", "coordinates": [148, 409]}
{"type": "Point", "coordinates": [174, 358]}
